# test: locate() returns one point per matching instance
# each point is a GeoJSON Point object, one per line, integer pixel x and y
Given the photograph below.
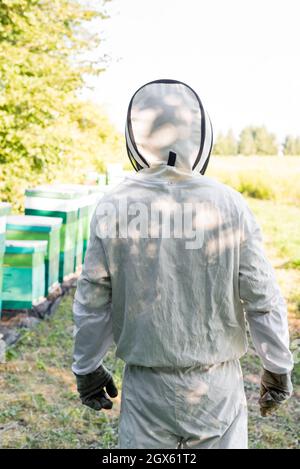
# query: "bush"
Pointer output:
{"type": "Point", "coordinates": [255, 187]}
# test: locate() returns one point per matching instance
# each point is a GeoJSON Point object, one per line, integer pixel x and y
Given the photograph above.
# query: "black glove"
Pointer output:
{"type": "Point", "coordinates": [275, 389]}
{"type": "Point", "coordinates": [91, 389]}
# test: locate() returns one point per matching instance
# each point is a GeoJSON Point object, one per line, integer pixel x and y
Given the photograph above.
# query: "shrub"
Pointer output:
{"type": "Point", "coordinates": [255, 187]}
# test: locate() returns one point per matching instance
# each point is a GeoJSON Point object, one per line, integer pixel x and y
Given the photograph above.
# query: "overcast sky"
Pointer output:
{"type": "Point", "coordinates": [241, 56]}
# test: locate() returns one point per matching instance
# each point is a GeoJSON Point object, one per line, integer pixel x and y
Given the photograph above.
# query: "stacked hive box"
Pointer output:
{"type": "Point", "coordinates": [23, 274]}
{"type": "Point", "coordinates": [21, 227]}
{"type": "Point", "coordinates": [90, 195]}
{"type": "Point", "coordinates": [4, 211]}
{"type": "Point", "coordinates": [81, 204]}
{"type": "Point", "coordinates": [46, 201]}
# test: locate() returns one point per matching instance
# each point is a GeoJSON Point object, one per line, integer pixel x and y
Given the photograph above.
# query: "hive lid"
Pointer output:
{"type": "Point", "coordinates": [84, 196]}
{"type": "Point", "coordinates": [25, 246]}
{"type": "Point", "coordinates": [52, 192]}
{"type": "Point", "coordinates": [97, 189]}
{"type": "Point", "coordinates": [32, 222]}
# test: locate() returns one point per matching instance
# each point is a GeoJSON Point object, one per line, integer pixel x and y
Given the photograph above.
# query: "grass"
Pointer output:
{"type": "Point", "coordinates": [281, 228]}
{"type": "Point", "coordinates": [39, 406]}
{"type": "Point", "coordinates": [262, 177]}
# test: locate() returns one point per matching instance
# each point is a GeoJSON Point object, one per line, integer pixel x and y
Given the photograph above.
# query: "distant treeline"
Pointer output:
{"type": "Point", "coordinates": [255, 141]}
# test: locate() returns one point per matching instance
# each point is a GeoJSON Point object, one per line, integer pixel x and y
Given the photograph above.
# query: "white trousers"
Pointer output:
{"type": "Point", "coordinates": [198, 407]}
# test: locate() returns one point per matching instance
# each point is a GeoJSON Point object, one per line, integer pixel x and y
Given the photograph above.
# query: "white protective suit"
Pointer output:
{"type": "Point", "coordinates": [174, 301]}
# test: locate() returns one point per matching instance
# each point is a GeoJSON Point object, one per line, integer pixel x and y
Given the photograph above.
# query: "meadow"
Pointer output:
{"type": "Point", "coordinates": [39, 407]}
{"type": "Point", "coordinates": [260, 177]}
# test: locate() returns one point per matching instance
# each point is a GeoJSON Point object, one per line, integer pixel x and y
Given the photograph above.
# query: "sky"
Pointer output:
{"type": "Point", "coordinates": [241, 56]}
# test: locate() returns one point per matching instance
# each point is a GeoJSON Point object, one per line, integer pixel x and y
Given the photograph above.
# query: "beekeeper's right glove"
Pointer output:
{"type": "Point", "coordinates": [91, 389]}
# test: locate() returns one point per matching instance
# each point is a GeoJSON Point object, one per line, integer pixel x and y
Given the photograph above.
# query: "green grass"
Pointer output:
{"type": "Point", "coordinates": [261, 177]}
{"type": "Point", "coordinates": [39, 405]}
{"type": "Point", "coordinates": [280, 225]}
{"type": "Point", "coordinates": [281, 229]}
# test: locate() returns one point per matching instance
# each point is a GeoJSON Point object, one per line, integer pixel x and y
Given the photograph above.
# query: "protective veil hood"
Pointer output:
{"type": "Point", "coordinates": [167, 124]}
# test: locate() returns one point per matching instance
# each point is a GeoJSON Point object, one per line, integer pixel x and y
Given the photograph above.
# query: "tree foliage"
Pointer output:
{"type": "Point", "coordinates": [291, 145]}
{"type": "Point", "coordinates": [257, 141]}
{"type": "Point", "coordinates": [252, 141]}
{"type": "Point", "coordinates": [45, 128]}
{"type": "Point", "coordinates": [226, 144]}
{"type": "Point", "coordinates": [247, 144]}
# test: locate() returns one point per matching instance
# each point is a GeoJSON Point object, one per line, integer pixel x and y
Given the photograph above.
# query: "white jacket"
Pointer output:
{"type": "Point", "coordinates": [165, 305]}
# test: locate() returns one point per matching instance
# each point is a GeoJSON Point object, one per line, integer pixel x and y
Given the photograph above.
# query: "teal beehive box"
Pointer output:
{"type": "Point", "coordinates": [90, 195]}
{"type": "Point", "coordinates": [85, 202]}
{"type": "Point", "coordinates": [23, 273]}
{"type": "Point", "coordinates": [30, 227]}
{"type": "Point", "coordinates": [45, 201]}
{"type": "Point", "coordinates": [5, 209]}
{"type": "Point", "coordinates": [76, 200]}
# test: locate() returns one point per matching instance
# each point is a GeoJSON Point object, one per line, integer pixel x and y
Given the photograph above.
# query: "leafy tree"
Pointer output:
{"type": "Point", "coordinates": [257, 141]}
{"type": "Point", "coordinates": [291, 145]}
{"type": "Point", "coordinates": [247, 145]}
{"type": "Point", "coordinates": [225, 144]}
{"type": "Point", "coordinates": [46, 130]}
{"type": "Point", "coordinates": [265, 141]}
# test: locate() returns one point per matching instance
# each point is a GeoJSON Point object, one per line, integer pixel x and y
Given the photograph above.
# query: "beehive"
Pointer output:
{"type": "Point", "coordinates": [43, 201]}
{"type": "Point", "coordinates": [23, 273]}
{"type": "Point", "coordinates": [30, 227]}
{"type": "Point", "coordinates": [91, 194]}
{"type": "Point", "coordinates": [80, 204]}
{"type": "Point", "coordinates": [5, 209]}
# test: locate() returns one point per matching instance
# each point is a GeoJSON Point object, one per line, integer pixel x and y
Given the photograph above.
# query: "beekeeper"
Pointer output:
{"type": "Point", "coordinates": [174, 268]}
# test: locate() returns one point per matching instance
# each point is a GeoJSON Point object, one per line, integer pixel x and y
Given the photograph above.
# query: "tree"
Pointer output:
{"type": "Point", "coordinates": [225, 144]}
{"type": "Point", "coordinates": [257, 141]}
{"type": "Point", "coordinates": [291, 145]}
{"type": "Point", "coordinates": [265, 141]}
{"type": "Point", "coordinates": [246, 144]}
{"type": "Point", "coordinates": [43, 50]}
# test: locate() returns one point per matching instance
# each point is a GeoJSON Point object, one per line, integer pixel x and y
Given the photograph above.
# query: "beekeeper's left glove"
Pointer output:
{"type": "Point", "coordinates": [275, 389]}
{"type": "Point", "coordinates": [91, 389]}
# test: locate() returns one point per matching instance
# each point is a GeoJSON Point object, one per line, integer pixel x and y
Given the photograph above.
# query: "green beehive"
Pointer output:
{"type": "Point", "coordinates": [23, 274]}
{"type": "Point", "coordinates": [5, 209]}
{"type": "Point", "coordinates": [81, 205]}
{"type": "Point", "coordinates": [39, 228]}
{"type": "Point", "coordinates": [90, 195]}
{"type": "Point", "coordinates": [43, 201]}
